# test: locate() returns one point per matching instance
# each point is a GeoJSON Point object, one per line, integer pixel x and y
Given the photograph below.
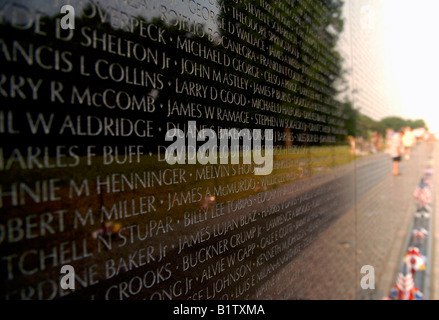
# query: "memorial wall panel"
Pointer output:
{"type": "Point", "coordinates": [179, 149]}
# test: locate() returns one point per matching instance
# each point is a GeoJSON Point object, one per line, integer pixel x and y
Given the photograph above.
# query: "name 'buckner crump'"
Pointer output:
{"type": "Point", "coordinates": [179, 151]}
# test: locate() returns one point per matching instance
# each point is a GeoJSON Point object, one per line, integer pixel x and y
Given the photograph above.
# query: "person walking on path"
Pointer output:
{"type": "Point", "coordinates": [409, 141]}
{"type": "Point", "coordinates": [396, 150]}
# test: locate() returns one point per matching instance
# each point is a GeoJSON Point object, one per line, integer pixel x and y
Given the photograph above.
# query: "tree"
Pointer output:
{"type": "Point", "coordinates": [419, 123]}
{"type": "Point", "coordinates": [395, 123]}
{"type": "Point", "coordinates": [351, 116]}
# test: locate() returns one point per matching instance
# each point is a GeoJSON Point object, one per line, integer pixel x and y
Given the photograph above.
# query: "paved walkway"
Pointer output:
{"type": "Point", "coordinates": [384, 215]}
{"type": "Point", "coordinates": [372, 232]}
{"type": "Point", "coordinates": [377, 211]}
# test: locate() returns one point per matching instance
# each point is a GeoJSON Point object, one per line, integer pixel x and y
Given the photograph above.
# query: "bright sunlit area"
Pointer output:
{"type": "Point", "coordinates": [411, 43]}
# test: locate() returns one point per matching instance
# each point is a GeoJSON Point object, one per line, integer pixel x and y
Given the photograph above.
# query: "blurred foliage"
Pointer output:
{"type": "Point", "coordinates": [360, 125]}
{"type": "Point", "coordinates": [397, 123]}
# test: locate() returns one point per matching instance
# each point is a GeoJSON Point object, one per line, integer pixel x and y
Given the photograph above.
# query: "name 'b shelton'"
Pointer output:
{"type": "Point", "coordinates": [178, 151]}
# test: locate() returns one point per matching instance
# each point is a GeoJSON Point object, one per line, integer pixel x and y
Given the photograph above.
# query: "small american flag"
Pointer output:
{"type": "Point", "coordinates": [414, 260]}
{"type": "Point", "coordinates": [422, 194]}
{"type": "Point", "coordinates": [405, 289]}
{"type": "Point", "coordinates": [419, 233]}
